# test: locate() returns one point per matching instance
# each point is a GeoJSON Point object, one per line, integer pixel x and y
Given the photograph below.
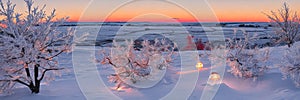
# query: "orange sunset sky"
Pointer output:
{"type": "Point", "coordinates": [163, 10]}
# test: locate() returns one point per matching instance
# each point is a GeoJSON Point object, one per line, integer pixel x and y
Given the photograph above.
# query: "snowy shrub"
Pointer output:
{"type": "Point", "coordinates": [287, 23]}
{"type": "Point", "coordinates": [132, 65]}
{"type": "Point", "coordinates": [245, 62]}
{"type": "Point", "coordinates": [290, 67]}
{"type": "Point", "coordinates": [29, 45]}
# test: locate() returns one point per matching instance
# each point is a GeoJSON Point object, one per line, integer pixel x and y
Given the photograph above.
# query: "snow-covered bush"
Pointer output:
{"type": "Point", "coordinates": [290, 67]}
{"type": "Point", "coordinates": [287, 23]}
{"type": "Point", "coordinates": [132, 65]}
{"type": "Point", "coordinates": [244, 61]}
{"type": "Point", "coordinates": [29, 45]}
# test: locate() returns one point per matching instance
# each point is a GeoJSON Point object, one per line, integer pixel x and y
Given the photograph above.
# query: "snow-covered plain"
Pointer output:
{"type": "Point", "coordinates": [66, 87]}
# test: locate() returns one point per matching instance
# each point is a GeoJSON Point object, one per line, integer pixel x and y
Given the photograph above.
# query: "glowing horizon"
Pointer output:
{"type": "Point", "coordinates": [222, 11]}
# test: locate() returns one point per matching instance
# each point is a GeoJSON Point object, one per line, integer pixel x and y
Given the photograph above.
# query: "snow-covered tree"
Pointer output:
{"type": "Point", "coordinates": [288, 24]}
{"type": "Point", "coordinates": [132, 65]}
{"type": "Point", "coordinates": [29, 45]}
{"type": "Point", "coordinates": [290, 65]}
{"type": "Point", "coordinates": [244, 61]}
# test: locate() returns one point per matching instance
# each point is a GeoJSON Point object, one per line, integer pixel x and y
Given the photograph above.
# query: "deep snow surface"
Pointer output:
{"type": "Point", "coordinates": [268, 87]}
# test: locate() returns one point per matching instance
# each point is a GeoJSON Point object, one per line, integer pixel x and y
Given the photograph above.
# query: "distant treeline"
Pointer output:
{"type": "Point", "coordinates": [212, 24]}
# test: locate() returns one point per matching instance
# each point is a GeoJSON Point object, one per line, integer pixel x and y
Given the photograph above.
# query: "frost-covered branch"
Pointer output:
{"type": "Point", "coordinates": [16, 79]}
{"type": "Point", "coordinates": [288, 23]}
{"type": "Point", "coordinates": [46, 70]}
{"type": "Point", "coordinates": [30, 43]}
{"type": "Point", "coordinates": [245, 61]}
{"type": "Point", "coordinates": [290, 65]}
{"type": "Point", "coordinates": [134, 65]}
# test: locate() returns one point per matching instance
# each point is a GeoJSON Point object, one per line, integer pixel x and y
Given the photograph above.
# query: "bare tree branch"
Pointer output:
{"type": "Point", "coordinates": [46, 70]}
{"type": "Point", "coordinates": [287, 22]}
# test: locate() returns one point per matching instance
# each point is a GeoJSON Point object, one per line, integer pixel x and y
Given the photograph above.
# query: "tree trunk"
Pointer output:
{"type": "Point", "coordinates": [34, 85]}
{"type": "Point", "coordinates": [36, 80]}
{"type": "Point", "coordinates": [35, 89]}
{"type": "Point", "coordinates": [290, 42]}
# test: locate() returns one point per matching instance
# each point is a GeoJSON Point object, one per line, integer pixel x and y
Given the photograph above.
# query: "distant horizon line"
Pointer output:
{"type": "Point", "coordinates": [167, 22]}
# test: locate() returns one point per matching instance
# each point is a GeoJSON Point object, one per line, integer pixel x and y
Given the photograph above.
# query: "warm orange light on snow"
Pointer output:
{"type": "Point", "coordinates": [199, 65]}
{"type": "Point", "coordinates": [120, 89]}
{"type": "Point", "coordinates": [187, 72]}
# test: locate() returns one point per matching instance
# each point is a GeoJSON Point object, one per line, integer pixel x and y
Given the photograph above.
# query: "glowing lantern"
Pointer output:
{"type": "Point", "coordinates": [199, 65]}
{"type": "Point", "coordinates": [214, 78]}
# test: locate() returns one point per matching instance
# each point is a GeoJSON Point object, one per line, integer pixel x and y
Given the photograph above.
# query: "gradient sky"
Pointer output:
{"type": "Point", "coordinates": [163, 10]}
